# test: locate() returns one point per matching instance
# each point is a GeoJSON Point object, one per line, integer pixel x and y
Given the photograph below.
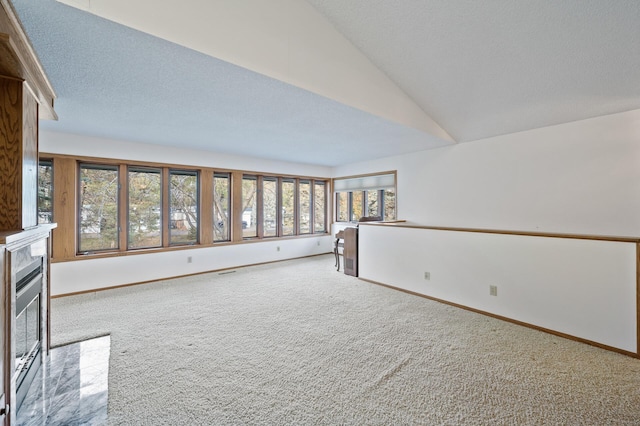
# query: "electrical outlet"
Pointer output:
{"type": "Point", "coordinates": [318, 243]}
{"type": "Point", "coordinates": [189, 259]}
{"type": "Point", "coordinates": [493, 290]}
{"type": "Point", "coordinates": [278, 248]}
{"type": "Point", "coordinates": [427, 275]}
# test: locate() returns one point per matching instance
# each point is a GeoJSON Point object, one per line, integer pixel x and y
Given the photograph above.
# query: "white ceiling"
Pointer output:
{"type": "Point", "coordinates": [486, 68]}
{"type": "Point", "coordinates": [474, 68]}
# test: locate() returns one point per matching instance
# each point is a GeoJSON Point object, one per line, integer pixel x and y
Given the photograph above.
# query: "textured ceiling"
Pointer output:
{"type": "Point", "coordinates": [116, 82]}
{"type": "Point", "coordinates": [478, 68]}
{"type": "Point", "coordinates": [486, 68]}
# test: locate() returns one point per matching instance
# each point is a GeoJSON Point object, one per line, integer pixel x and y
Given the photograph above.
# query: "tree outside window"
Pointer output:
{"type": "Point", "coordinates": [45, 191]}
{"type": "Point", "coordinates": [145, 208]}
{"type": "Point", "coordinates": [288, 207]}
{"type": "Point", "coordinates": [221, 203]}
{"type": "Point", "coordinates": [304, 206]}
{"type": "Point", "coordinates": [249, 206]}
{"type": "Point", "coordinates": [98, 221]}
{"type": "Point", "coordinates": [357, 200]}
{"type": "Point", "coordinates": [342, 206]}
{"type": "Point", "coordinates": [270, 206]}
{"type": "Point", "coordinates": [320, 207]}
{"type": "Point", "coordinates": [183, 207]}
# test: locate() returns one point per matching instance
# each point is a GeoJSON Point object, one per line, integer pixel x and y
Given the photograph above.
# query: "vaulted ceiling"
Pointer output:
{"type": "Point", "coordinates": [331, 81]}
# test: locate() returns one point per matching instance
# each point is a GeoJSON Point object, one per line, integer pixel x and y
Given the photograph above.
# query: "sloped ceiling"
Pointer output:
{"type": "Point", "coordinates": [347, 81]}
{"type": "Point", "coordinates": [487, 68]}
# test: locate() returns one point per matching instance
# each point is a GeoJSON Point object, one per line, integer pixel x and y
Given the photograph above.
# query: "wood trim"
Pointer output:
{"type": "Point", "coordinates": [524, 324]}
{"type": "Point", "coordinates": [182, 276]}
{"type": "Point", "coordinates": [638, 299]}
{"type": "Point", "coordinates": [164, 199]}
{"type": "Point", "coordinates": [279, 223]}
{"type": "Point", "coordinates": [259, 207]}
{"type": "Point", "coordinates": [64, 208]}
{"type": "Point", "coordinates": [123, 207]}
{"type": "Point", "coordinates": [403, 224]}
{"type": "Point", "coordinates": [11, 153]}
{"type": "Point", "coordinates": [66, 183]}
{"type": "Point", "coordinates": [236, 206]}
{"type": "Point", "coordinates": [296, 206]}
{"type": "Point", "coordinates": [205, 215]}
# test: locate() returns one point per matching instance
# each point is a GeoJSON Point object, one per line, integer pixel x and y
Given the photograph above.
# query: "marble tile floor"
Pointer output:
{"type": "Point", "coordinates": [71, 387]}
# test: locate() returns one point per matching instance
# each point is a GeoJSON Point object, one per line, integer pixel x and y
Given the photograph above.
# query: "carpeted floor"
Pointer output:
{"type": "Point", "coordinates": [298, 343]}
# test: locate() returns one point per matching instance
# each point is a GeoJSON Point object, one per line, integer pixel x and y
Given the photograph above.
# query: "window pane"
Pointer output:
{"type": "Point", "coordinates": [270, 206]}
{"type": "Point", "coordinates": [389, 204]}
{"type": "Point", "coordinates": [356, 205]}
{"type": "Point", "coordinates": [304, 197]}
{"type": "Point", "coordinates": [45, 192]}
{"type": "Point", "coordinates": [183, 207]}
{"type": "Point", "coordinates": [372, 202]}
{"type": "Point", "coordinates": [249, 206]}
{"type": "Point", "coordinates": [145, 207]}
{"type": "Point", "coordinates": [288, 207]}
{"type": "Point", "coordinates": [98, 220]}
{"type": "Point", "coordinates": [342, 205]}
{"type": "Point", "coordinates": [320, 207]}
{"type": "Point", "coordinates": [221, 207]}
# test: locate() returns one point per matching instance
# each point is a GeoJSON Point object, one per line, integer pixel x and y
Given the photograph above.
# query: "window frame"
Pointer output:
{"type": "Point", "coordinates": [363, 190]}
{"type": "Point", "coordinates": [78, 230]}
{"type": "Point", "coordinates": [167, 224]}
{"type": "Point", "coordinates": [138, 169]}
{"type": "Point", "coordinates": [67, 168]}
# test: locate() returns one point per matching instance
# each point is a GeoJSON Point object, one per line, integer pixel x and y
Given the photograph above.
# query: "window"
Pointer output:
{"type": "Point", "coordinates": [320, 207]}
{"type": "Point", "coordinates": [372, 206]}
{"type": "Point", "coordinates": [357, 199]}
{"type": "Point", "coordinates": [304, 206]}
{"type": "Point", "coordinates": [371, 195]}
{"type": "Point", "coordinates": [145, 208]}
{"type": "Point", "coordinates": [389, 210]}
{"type": "Point", "coordinates": [249, 206]}
{"type": "Point", "coordinates": [221, 203]}
{"type": "Point", "coordinates": [270, 206]}
{"type": "Point", "coordinates": [342, 206]}
{"type": "Point", "coordinates": [288, 207]}
{"type": "Point", "coordinates": [124, 206]}
{"type": "Point", "coordinates": [45, 191]}
{"type": "Point", "coordinates": [98, 221]}
{"type": "Point", "coordinates": [183, 207]}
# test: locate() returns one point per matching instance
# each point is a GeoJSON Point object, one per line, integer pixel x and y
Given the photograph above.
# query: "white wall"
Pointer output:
{"type": "Point", "coordinates": [584, 288]}
{"type": "Point", "coordinates": [581, 177]}
{"type": "Point", "coordinates": [86, 275]}
{"type": "Point", "coordinates": [66, 143]}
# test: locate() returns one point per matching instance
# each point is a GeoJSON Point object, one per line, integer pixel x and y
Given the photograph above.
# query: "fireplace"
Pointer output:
{"type": "Point", "coordinates": [28, 331]}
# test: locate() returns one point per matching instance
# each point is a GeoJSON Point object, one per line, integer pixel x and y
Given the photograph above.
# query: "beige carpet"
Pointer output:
{"type": "Point", "coordinates": [298, 343]}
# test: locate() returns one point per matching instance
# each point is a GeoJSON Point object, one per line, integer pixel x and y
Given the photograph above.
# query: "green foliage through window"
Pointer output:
{"type": "Point", "coordinates": [145, 208]}
{"type": "Point", "coordinates": [98, 221]}
{"type": "Point", "coordinates": [183, 207]}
